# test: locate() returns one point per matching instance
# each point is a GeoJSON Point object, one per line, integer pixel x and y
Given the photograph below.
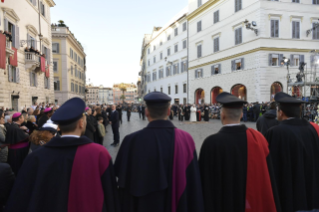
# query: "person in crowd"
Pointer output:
{"type": "Point", "coordinates": [198, 113]}
{"type": "Point", "coordinates": [31, 124]}
{"type": "Point", "coordinates": [268, 120]}
{"type": "Point", "coordinates": [25, 117]}
{"type": "Point", "coordinates": [3, 145]}
{"type": "Point", "coordinates": [187, 112]}
{"type": "Point", "coordinates": [90, 129]}
{"type": "Point", "coordinates": [30, 111]}
{"type": "Point", "coordinates": [119, 110]}
{"type": "Point", "coordinates": [166, 176]}
{"type": "Point", "coordinates": [35, 105]}
{"type": "Point", "coordinates": [6, 183]}
{"type": "Point", "coordinates": [17, 139]}
{"type": "Point", "coordinates": [206, 112]}
{"type": "Point", "coordinates": [95, 124]}
{"type": "Point", "coordinates": [48, 112]}
{"type": "Point", "coordinates": [294, 149]}
{"type": "Point", "coordinates": [43, 135]}
{"type": "Point", "coordinates": [193, 114]}
{"type": "Point", "coordinates": [128, 112]}
{"type": "Point", "coordinates": [245, 111]}
{"type": "Point", "coordinates": [181, 113]}
{"type": "Point", "coordinates": [101, 130]}
{"type": "Point", "coordinates": [139, 109]}
{"type": "Point", "coordinates": [108, 111]}
{"type": "Point", "coordinates": [171, 114]}
{"type": "Point", "coordinates": [40, 115]}
{"type": "Point", "coordinates": [235, 166]}
{"type": "Point", "coordinates": [143, 112]}
{"type": "Point", "coordinates": [70, 173]}
{"type": "Point", "coordinates": [36, 113]}
{"type": "Point", "coordinates": [105, 118]}
{"type": "Point", "coordinates": [8, 121]}
{"type": "Point", "coordinates": [114, 121]}
{"type": "Point", "coordinates": [256, 111]}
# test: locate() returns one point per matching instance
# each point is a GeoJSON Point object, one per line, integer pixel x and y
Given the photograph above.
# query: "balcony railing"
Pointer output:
{"type": "Point", "coordinates": [32, 60]}
{"type": "Point", "coordinates": [9, 50]}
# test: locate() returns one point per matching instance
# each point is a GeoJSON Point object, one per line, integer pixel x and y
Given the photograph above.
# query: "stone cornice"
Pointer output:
{"type": "Point", "coordinates": [70, 37]}
{"type": "Point", "coordinates": [11, 13]}
{"type": "Point", "coordinates": [32, 29]}
{"type": "Point", "coordinates": [51, 3]}
{"type": "Point", "coordinates": [202, 9]}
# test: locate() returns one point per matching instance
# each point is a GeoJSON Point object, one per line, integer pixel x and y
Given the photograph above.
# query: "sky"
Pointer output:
{"type": "Point", "coordinates": [112, 32]}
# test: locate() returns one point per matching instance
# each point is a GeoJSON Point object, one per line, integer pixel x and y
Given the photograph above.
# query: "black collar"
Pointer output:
{"type": "Point", "coordinates": [160, 124]}
{"type": "Point", "coordinates": [68, 142]}
{"type": "Point", "coordinates": [294, 121]}
{"type": "Point", "coordinates": [231, 129]}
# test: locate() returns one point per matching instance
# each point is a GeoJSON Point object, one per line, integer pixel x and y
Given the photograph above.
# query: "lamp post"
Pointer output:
{"type": "Point", "coordinates": [286, 62]}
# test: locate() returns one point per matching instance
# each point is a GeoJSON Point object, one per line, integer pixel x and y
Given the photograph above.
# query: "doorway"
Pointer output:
{"type": "Point", "coordinates": [176, 101]}
{"type": "Point", "coordinates": [34, 100]}
{"type": "Point", "coordinates": [15, 103]}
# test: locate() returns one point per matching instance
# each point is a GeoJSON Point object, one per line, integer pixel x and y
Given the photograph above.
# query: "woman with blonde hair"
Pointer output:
{"type": "Point", "coordinates": [42, 136]}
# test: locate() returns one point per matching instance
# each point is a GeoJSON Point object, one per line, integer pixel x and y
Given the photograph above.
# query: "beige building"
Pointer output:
{"type": "Point", "coordinates": [23, 80]}
{"type": "Point", "coordinates": [68, 64]}
{"type": "Point", "coordinates": [130, 93]}
{"type": "Point", "coordinates": [92, 94]}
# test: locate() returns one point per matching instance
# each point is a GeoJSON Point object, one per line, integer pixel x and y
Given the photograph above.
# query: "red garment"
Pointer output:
{"type": "Point", "coordinates": [2, 1]}
{"type": "Point", "coordinates": [315, 126]}
{"type": "Point", "coordinates": [42, 64]}
{"type": "Point", "coordinates": [47, 72]}
{"type": "Point", "coordinates": [259, 194]}
{"type": "Point", "coordinates": [199, 115]}
{"type": "Point", "coordinates": [14, 59]}
{"type": "Point", "coordinates": [2, 51]}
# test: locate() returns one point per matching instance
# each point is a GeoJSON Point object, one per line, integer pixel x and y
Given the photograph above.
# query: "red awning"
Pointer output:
{"type": "Point", "coordinates": [42, 64]}
{"type": "Point", "coordinates": [2, 51]}
{"type": "Point", "coordinates": [47, 72]}
{"type": "Point", "coordinates": [14, 59]}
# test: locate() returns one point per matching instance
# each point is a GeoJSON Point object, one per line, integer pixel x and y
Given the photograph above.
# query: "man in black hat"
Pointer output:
{"type": "Point", "coordinates": [235, 165]}
{"type": "Point", "coordinates": [294, 149]}
{"type": "Point", "coordinates": [267, 120]}
{"type": "Point", "coordinates": [70, 173]}
{"type": "Point", "coordinates": [115, 123]}
{"type": "Point", "coordinates": [157, 167]}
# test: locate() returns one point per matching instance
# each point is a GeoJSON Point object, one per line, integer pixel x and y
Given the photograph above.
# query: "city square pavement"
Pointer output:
{"type": "Point", "coordinates": [198, 130]}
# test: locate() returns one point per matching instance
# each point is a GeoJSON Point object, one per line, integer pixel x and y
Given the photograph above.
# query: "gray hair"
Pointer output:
{"type": "Point", "coordinates": [30, 118]}
{"type": "Point", "coordinates": [233, 114]}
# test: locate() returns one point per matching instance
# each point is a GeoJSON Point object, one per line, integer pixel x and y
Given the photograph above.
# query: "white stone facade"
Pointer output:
{"type": "Point", "coordinates": [166, 59]}
{"type": "Point", "coordinates": [21, 17]}
{"type": "Point", "coordinates": [254, 52]}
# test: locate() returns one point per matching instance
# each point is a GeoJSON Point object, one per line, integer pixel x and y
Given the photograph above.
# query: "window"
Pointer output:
{"type": "Point", "coordinates": [216, 44]}
{"type": "Point", "coordinates": [176, 89]}
{"type": "Point", "coordinates": [72, 86]}
{"type": "Point", "coordinates": [161, 43]}
{"type": "Point", "coordinates": [175, 31]}
{"type": "Point", "coordinates": [274, 59]}
{"type": "Point", "coordinates": [148, 51]}
{"type": "Point", "coordinates": [55, 66]}
{"type": "Point", "coordinates": [42, 7]}
{"type": "Point", "coordinates": [237, 64]}
{"type": "Point", "coordinates": [168, 52]}
{"type": "Point", "coordinates": [160, 74]}
{"type": "Point", "coordinates": [168, 71]}
{"type": "Point", "coordinates": [184, 26]}
{"type": "Point", "coordinates": [274, 28]}
{"type": "Point", "coordinates": [184, 44]}
{"type": "Point", "coordinates": [169, 90]}
{"type": "Point", "coordinates": [13, 73]}
{"type": "Point", "coordinates": [33, 43]}
{"type": "Point", "coordinates": [154, 59]}
{"type": "Point", "coordinates": [75, 57]}
{"type": "Point", "coordinates": [154, 75]}
{"type": "Point", "coordinates": [33, 79]}
{"type": "Point", "coordinates": [154, 48]}
{"type": "Point", "coordinates": [149, 62]}
{"type": "Point", "coordinates": [161, 56]}
{"type": "Point", "coordinates": [315, 32]}
{"type": "Point", "coordinates": [71, 53]}
{"type": "Point", "coordinates": [238, 36]}
{"type": "Point", "coordinates": [295, 1]}
{"type": "Point", "coordinates": [55, 48]}
{"type": "Point", "coordinates": [199, 51]}
{"type": "Point", "coordinates": [198, 73]}
{"type": "Point", "coordinates": [296, 29]}
{"type": "Point", "coordinates": [168, 37]}
{"type": "Point", "coordinates": [315, 1]}
{"type": "Point", "coordinates": [161, 90]}
{"type": "Point", "coordinates": [183, 66]}
{"type": "Point", "coordinates": [238, 5]}
{"type": "Point", "coordinates": [46, 82]}
{"type": "Point", "coordinates": [175, 68]}
{"type": "Point", "coordinates": [184, 88]}
{"type": "Point", "coordinates": [199, 3]}
{"type": "Point", "coordinates": [80, 76]}
{"type": "Point", "coordinates": [56, 84]}
{"type": "Point", "coordinates": [199, 26]}
{"type": "Point", "coordinates": [216, 16]}
{"type": "Point", "coordinates": [296, 59]}
{"type": "Point", "coordinates": [176, 48]}
{"type": "Point", "coordinates": [216, 69]}
{"type": "Point", "coordinates": [71, 70]}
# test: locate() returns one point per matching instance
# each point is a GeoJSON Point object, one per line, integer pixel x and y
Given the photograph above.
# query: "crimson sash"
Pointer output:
{"type": "Point", "coordinates": [259, 194]}
{"type": "Point", "coordinates": [315, 126]}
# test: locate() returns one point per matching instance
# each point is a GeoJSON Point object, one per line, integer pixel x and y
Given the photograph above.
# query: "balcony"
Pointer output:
{"type": "Point", "coordinates": [32, 61]}
{"type": "Point", "coordinates": [9, 51]}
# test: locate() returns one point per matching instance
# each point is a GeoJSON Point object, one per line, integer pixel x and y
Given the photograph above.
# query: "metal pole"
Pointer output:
{"type": "Point", "coordinates": [187, 62]}
{"type": "Point", "coordinates": [287, 78]}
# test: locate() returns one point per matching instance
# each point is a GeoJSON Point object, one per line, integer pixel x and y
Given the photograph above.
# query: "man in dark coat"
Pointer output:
{"type": "Point", "coordinates": [157, 167]}
{"type": "Point", "coordinates": [206, 112]}
{"type": "Point", "coordinates": [256, 111]}
{"type": "Point", "coordinates": [187, 112]}
{"type": "Point", "coordinates": [48, 112]}
{"type": "Point", "coordinates": [108, 111]}
{"type": "Point", "coordinates": [143, 112]}
{"type": "Point", "coordinates": [139, 109]}
{"type": "Point", "coordinates": [105, 118]}
{"type": "Point", "coordinates": [115, 122]}
{"type": "Point", "coordinates": [90, 129]}
{"type": "Point", "coordinates": [235, 166]}
{"type": "Point", "coordinates": [70, 173]}
{"type": "Point", "coordinates": [17, 139]}
{"type": "Point", "coordinates": [268, 120]}
{"type": "Point", "coordinates": [119, 110]}
{"type": "Point", "coordinates": [294, 149]}
{"type": "Point", "coordinates": [128, 112]}
{"type": "Point", "coordinates": [6, 183]}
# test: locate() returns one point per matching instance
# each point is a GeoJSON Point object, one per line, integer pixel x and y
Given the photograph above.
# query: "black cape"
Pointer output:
{"type": "Point", "coordinates": [43, 120]}
{"type": "Point", "coordinates": [267, 121]}
{"type": "Point", "coordinates": [67, 174]}
{"type": "Point", "coordinates": [145, 170]}
{"type": "Point", "coordinates": [223, 167]}
{"type": "Point", "coordinates": [90, 129]}
{"type": "Point", "coordinates": [294, 149]}
{"type": "Point", "coordinates": [206, 113]}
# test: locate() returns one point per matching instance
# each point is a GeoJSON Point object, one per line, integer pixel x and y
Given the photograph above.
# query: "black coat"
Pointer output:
{"type": "Point", "coordinates": [115, 119]}
{"type": "Point", "coordinates": [6, 183]}
{"type": "Point", "coordinates": [90, 129]}
{"type": "Point", "coordinates": [31, 127]}
{"type": "Point", "coordinates": [43, 120]}
{"type": "Point", "coordinates": [105, 118]}
{"type": "Point", "coordinates": [267, 121]}
{"type": "Point", "coordinates": [128, 111]}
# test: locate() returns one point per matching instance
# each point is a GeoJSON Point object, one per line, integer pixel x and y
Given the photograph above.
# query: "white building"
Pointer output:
{"type": "Point", "coordinates": [26, 81]}
{"type": "Point", "coordinates": [105, 95]}
{"type": "Point", "coordinates": [224, 55]}
{"type": "Point", "coordinates": [164, 62]}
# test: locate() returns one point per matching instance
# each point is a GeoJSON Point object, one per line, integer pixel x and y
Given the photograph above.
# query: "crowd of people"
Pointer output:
{"type": "Point", "coordinates": [52, 158]}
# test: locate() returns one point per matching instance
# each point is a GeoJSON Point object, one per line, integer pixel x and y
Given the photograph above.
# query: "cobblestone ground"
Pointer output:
{"type": "Point", "coordinates": [199, 130]}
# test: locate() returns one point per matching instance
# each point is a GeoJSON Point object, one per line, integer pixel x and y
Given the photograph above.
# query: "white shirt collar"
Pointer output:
{"type": "Point", "coordinates": [232, 125]}
{"type": "Point", "coordinates": [70, 136]}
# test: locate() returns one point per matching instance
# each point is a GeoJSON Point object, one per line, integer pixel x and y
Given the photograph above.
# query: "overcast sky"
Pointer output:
{"type": "Point", "coordinates": [112, 33]}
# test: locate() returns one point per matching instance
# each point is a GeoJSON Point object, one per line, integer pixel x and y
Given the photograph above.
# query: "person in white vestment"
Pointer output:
{"type": "Point", "coordinates": [193, 114]}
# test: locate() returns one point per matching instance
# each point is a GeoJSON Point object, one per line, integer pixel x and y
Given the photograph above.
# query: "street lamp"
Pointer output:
{"type": "Point", "coordinates": [286, 62]}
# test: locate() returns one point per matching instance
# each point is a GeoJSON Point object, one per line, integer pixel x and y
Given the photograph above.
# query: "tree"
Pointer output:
{"type": "Point", "coordinates": [123, 88]}
{"type": "Point", "coordinates": [61, 23]}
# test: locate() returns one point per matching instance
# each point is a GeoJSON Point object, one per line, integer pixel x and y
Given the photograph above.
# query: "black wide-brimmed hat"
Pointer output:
{"type": "Point", "coordinates": [230, 101]}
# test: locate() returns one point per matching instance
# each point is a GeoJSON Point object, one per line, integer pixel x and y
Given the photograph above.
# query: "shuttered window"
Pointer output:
{"type": "Point", "coordinates": [13, 73]}
{"type": "Point", "coordinates": [161, 55]}
{"type": "Point", "coordinates": [238, 36]}
{"type": "Point", "coordinates": [216, 44]}
{"type": "Point", "coordinates": [295, 1]}
{"type": "Point", "coordinates": [238, 5]}
{"type": "Point", "coordinates": [199, 26]}
{"type": "Point", "coordinates": [55, 66]}
{"type": "Point", "coordinates": [169, 90]}
{"type": "Point", "coordinates": [169, 37]}
{"type": "Point", "coordinates": [168, 52]}
{"type": "Point", "coordinates": [296, 29]}
{"type": "Point", "coordinates": [55, 48]}
{"type": "Point", "coordinates": [238, 64]}
{"type": "Point", "coordinates": [154, 59]}
{"type": "Point", "coordinates": [176, 48]}
{"type": "Point", "coordinates": [315, 1]}
{"type": "Point", "coordinates": [199, 3]}
{"type": "Point", "coordinates": [199, 51]}
{"type": "Point", "coordinates": [315, 32]}
{"type": "Point", "coordinates": [176, 31]}
{"type": "Point", "coordinates": [184, 26]}
{"type": "Point", "coordinates": [56, 84]}
{"type": "Point", "coordinates": [184, 44]}
{"type": "Point", "coordinates": [216, 69]}
{"type": "Point", "coordinates": [274, 28]}
{"type": "Point", "coordinates": [216, 16]}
